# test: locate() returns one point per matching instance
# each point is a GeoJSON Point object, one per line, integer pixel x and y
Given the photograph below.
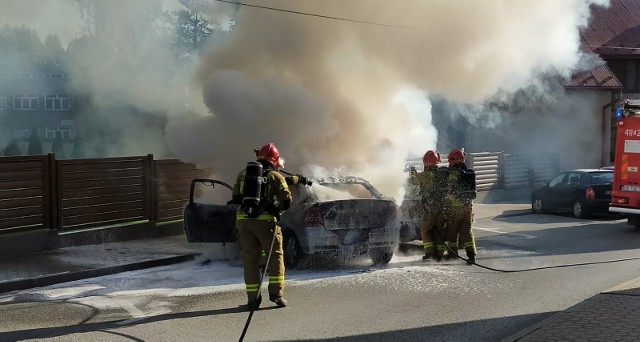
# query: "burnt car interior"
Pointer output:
{"type": "Point", "coordinates": [218, 219]}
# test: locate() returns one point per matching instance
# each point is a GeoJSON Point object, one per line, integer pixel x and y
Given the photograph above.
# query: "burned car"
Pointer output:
{"type": "Point", "coordinates": [411, 210]}
{"type": "Point", "coordinates": [342, 217]}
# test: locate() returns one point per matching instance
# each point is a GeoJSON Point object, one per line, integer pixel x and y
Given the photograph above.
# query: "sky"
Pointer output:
{"type": "Point", "coordinates": [347, 95]}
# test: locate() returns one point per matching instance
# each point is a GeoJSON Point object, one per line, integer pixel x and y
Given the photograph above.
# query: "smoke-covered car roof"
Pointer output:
{"type": "Point", "coordinates": [348, 180]}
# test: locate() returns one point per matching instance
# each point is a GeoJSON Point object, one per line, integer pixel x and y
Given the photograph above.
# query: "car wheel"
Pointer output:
{"type": "Point", "coordinates": [292, 250]}
{"type": "Point", "coordinates": [381, 257]}
{"type": "Point", "coordinates": [537, 205]}
{"type": "Point", "coordinates": [580, 210]}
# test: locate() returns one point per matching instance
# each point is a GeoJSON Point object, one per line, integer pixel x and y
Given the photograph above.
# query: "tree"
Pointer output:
{"type": "Point", "coordinates": [35, 145]}
{"type": "Point", "coordinates": [192, 31]}
{"type": "Point", "coordinates": [54, 52]}
{"type": "Point", "coordinates": [20, 45]}
{"type": "Point", "coordinates": [135, 34]}
{"type": "Point", "coordinates": [13, 149]}
{"type": "Point", "coordinates": [58, 147]}
{"type": "Point", "coordinates": [78, 151]}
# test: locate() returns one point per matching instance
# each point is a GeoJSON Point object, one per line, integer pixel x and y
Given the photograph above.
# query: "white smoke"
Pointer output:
{"type": "Point", "coordinates": [333, 93]}
{"type": "Point", "coordinates": [348, 96]}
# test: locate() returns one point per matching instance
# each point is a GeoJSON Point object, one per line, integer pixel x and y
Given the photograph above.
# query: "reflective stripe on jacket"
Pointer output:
{"type": "Point", "coordinates": [240, 215]}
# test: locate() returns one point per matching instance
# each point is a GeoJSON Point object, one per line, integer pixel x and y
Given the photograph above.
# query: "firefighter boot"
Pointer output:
{"type": "Point", "coordinates": [280, 302]}
{"type": "Point", "coordinates": [254, 304]}
{"type": "Point", "coordinates": [471, 258]}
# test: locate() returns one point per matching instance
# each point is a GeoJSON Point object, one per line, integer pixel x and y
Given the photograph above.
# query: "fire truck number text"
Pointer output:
{"type": "Point", "coordinates": [632, 132]}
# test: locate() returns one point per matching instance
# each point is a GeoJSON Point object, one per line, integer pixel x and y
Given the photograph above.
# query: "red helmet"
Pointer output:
{"type": "Point", "coordinates": [430, 159]}
{"type": "Point", "coordinates": [270, 153]}
{"type": "Point", "coordinates": [455, 157]}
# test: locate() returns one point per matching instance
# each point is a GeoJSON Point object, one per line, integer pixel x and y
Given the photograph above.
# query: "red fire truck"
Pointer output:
{"type": "Point", "coordinates": [625, 194]}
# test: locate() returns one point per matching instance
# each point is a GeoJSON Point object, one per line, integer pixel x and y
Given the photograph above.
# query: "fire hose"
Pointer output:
{"type": "Point", "coordinates": [534, 268]}
{"type": "Point", "coordinates": [306, 181]}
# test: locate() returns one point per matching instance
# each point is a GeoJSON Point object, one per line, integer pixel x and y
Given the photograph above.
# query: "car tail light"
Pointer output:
{"type": "Point", "coordinates": [313, 217]}
{"type": "Point", "coordinates": [619, 200]}
{"type": "Point", "coordinates": [590, 193]}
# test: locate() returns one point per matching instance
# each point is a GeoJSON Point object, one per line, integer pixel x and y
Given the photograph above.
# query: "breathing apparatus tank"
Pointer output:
{"type": "Point", "coordinates": [252, 190]}
{"type": "Point", "coordinates": [468, 180]}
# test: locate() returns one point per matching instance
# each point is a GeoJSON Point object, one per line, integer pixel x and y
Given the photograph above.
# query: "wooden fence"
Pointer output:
{"type": "Point", "coordinates": [39, 192]}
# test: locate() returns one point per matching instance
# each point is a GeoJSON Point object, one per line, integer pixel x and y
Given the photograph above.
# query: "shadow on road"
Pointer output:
{"type": "Point", "coordinates": [482, 330]}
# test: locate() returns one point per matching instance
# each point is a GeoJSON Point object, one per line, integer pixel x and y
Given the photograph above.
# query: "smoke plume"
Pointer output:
{"type": "Point", "coordinates": [353, 96]}
{"type": "Point", "coordinates": [345, 89]}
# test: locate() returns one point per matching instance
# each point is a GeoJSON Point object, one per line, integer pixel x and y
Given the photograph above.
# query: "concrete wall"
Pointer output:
{"type": "Point", "coordinates": [504, 196]}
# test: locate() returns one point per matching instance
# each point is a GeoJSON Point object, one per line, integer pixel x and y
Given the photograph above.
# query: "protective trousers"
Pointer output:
{"type": "Point", "coordinates": [459, 227]}
{"type": "Point", "coordinates": [254, 236]}
{"type": "Point", "coordinates": [431, 241]}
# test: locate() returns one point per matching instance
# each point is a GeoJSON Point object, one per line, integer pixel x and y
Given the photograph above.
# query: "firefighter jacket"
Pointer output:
{"type": "Point", "coordinates": [276, 200]}
{"type": "Point", "coordinates": [461, 185]}
{"type": "Point", "coordinates": [432, 186]}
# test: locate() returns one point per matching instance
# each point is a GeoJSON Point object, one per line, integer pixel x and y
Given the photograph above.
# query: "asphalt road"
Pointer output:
{"type": "Point", "coordinates": [407, 300]}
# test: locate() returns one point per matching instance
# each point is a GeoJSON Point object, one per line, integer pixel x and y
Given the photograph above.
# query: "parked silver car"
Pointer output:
{"type": "Point", "coordinates": [340, 217]}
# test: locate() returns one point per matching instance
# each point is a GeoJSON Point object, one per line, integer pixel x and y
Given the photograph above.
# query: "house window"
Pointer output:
{"type": "Point", "coordinates": [25, 102]}
{"type": "Point", "coordinates": [56, 76]}
{"type": "Point", "coordinates": [65, 131]}
{"type": "Point", "coordinates": [50, 132]}
{"type": "Point", "coordinates": [23, 75]}
{"type": "Point", "coordinates": [56, 102]}
{"type": "Point", "coordinates": [3, 103]}
{"type": "Point", "coordinates": [21, 132]}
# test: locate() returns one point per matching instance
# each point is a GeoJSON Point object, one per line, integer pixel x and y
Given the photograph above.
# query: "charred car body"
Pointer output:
{"type": "Point", "coordinates": [411, 211]}
{"type": "Point", "coordinates": [343, 217]}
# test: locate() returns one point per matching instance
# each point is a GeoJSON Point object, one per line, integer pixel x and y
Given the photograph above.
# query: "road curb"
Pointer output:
{"type": "Point", "coordinates": [522, 213]}
{"type": "Point", "coordinates": [23, 284]}
{"type": "Point", "coordinates": [629, 288]}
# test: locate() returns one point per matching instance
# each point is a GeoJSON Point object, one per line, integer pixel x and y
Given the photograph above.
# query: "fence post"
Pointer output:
{"type": "Point", "coordinates": [151, 185]}
{"type": "Point", "coordinates": [49, 194]}
{"type": "Point", "coordinates": [54, 193]}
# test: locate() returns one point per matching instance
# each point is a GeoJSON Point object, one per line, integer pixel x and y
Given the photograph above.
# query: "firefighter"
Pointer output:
{"type": "Point", "coordinates": [430, 184]}
{"type": "Point", "coordinates": [258, 225]}
{"type": "Point", "coordinates": [458, 206]}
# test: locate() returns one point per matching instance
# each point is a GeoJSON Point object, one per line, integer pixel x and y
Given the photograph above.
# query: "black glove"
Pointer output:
{"type": "Point", "coordinates": [304, 180]}
{"type": "Point", "coordinates": [298, 179]}
{"type": "Point", "coordinates": [291, 180]}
